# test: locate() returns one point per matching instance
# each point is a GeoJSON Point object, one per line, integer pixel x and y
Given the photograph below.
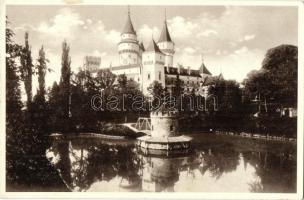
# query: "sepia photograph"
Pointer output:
{"type": "Point", "coordinates": [134, 98]}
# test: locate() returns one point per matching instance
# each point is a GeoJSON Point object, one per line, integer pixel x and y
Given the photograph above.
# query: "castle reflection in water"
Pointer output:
{"type": "Point", "coordinates": [118, 166]}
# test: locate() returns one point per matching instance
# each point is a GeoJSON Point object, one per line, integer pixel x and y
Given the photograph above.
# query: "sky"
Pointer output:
{"type": "Point", "coordinates": [232, 40]}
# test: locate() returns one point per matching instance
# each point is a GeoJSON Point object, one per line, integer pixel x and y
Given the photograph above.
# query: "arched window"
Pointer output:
{"type": "Point", "coordinates": [171, 128]}
{"type": "Point", "coordinates": [148, 76]}
{"type": "Point", "coordinates": [159, 76]}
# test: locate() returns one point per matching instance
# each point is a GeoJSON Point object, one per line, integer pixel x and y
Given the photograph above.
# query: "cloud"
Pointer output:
{"type": "Point", "coordinates": [146, 32]}
{"type": "Point", "coordinates": [181, 28]}
{"type": "Point", "coordinates": [236, 65]}
{"type": "Point", "coordinates": [189, 50]}
{"type": "Point", "coordinates": [207, 33]}
{"type": "Point", "coordinates": [98, 53]}
{"type": "Point", "coordinates": [89, 21]}
{"type": "Point", "coordinates": [112, 36]}
{"type": "Point", "coordinates": [25, 27]}
{"type": "Point", "coordinates": [62, 25]}
{"type": "Point", "coordinates": [249, 37]}
{"type": "Point", "coordinates": [241, 50]}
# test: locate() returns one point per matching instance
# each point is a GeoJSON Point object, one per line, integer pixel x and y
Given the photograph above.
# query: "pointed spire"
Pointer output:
{"type": "Point", "coordinates": [203, 69]}
{"type": "Point", "coordinates": [153, 47]}
{"type": "Point", "coordinates": [165, 36]}
{"type": "Point", "coordinates": [128, 28]}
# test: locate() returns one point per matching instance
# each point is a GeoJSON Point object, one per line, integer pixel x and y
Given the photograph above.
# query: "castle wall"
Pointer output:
{"type": "Point", "coordinates": [153, 69]}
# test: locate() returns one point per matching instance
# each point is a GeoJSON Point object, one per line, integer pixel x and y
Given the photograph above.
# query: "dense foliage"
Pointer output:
{"type": "Point", "coordinates": [276, 82]}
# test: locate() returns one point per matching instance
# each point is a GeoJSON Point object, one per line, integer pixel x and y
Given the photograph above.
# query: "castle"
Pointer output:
{"type": "Point", "coordinates": [155, 63]}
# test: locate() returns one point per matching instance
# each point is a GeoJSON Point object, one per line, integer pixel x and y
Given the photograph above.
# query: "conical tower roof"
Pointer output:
{"type": "Point", "coordinates": [203, 70]}
{"type": "Point", "coordinates": [153, 47]}
{"type": "Point", "coordinates": [128, 28]}
{"type": "Point", "coordinates": [165, 35]}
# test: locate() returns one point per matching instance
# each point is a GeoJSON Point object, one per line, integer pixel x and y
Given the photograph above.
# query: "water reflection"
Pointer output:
{"type": "Point", "coordinates": [92, 165]}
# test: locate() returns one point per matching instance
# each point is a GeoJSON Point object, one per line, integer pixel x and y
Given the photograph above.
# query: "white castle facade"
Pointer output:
{"type": "Point", "coordinates": [155, 63]}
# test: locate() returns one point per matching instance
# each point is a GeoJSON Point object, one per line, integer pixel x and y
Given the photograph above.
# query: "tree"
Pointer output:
{"type": "Point", "coordinates": [156, 89]}
{"type": "Point", "coordinates": [105, 78]}
{"type": "Point", "coordinates": [122, 80]}
{"type": "Point", "coordinates": [65, 84]}
{"type": "Point", "coordinates": [26, 69]}
{"type": "Point", "coordinates": [41, 68]}
{"type": "Point", "coordinates": [55, 107]}
{"type": "Point", "coordinates": [258, 87]}
{"type": "Point", "coordinates": [281, 69]}
{"type": "Point", "coordinates": [276, 82]}
{"type": "Point", "coordinates": [40, 110]}
{"type": "Point", "coordinates": [227, 94]}
{"type": "Point", "coordinates": [14, 119]}
{"type": "Point", "coordinates": [82, 90]}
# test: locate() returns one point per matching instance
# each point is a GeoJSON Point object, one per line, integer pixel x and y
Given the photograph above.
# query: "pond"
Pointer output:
{"type": "Point", "coordinates": [215, 164]}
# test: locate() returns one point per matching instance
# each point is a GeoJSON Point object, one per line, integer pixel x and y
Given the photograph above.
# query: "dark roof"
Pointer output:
{"type": "Point", "coordinates": [183, 72]}
{"type": "Point", "coordinates": [165, 36]}
{"type": "Point", "coordinates": [212, 80]}
{"type": "Point", "coordinates": [129, 26]}
{"type": "Point", "coordinates": [125, 66]}
{"type": "Point", "coordinates": [194, 72]}
{"type": "Point", "coordinates": [203, 69]}
{"type": "Point", "coordinates": [171, 70]}
{"type": "Point", "coordinates": [153, 47]}
{"type": "Point", "coordinates": [141, 45]}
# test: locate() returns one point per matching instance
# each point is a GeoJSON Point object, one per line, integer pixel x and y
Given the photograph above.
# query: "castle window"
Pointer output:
{"type": "Point", "coordinates": [171, 128]}
{"type": "Point", "coordinates": [152, 127]}
{"type": "Point", "coordinates": [138, 79]}
{"type": "Point", "coordinates": [148, 76]}
{"type": "Point", "coordinates": [159, 75]}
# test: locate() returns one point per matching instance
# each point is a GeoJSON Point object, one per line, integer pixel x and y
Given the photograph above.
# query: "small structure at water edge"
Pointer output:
{"type": "Point", "coordinates": [165, 134]}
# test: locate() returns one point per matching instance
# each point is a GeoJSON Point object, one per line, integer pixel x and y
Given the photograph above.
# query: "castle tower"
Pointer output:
{"type": "Point", "coordinates": [204, 72]}
{"type": "Point", "coordinates": [128, 47]}
{"type": "Point", "coordinates": [166, 45]}
{"type": "Point", "coordinates": [153, 61]}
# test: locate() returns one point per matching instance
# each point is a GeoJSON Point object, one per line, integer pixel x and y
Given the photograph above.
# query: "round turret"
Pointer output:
{"type": "Point", "coordinates": [128, 47]}
{"type": "Point", "coordinates": [166, 45]}
{"type": "Point", "coordinates": [164, 122]}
